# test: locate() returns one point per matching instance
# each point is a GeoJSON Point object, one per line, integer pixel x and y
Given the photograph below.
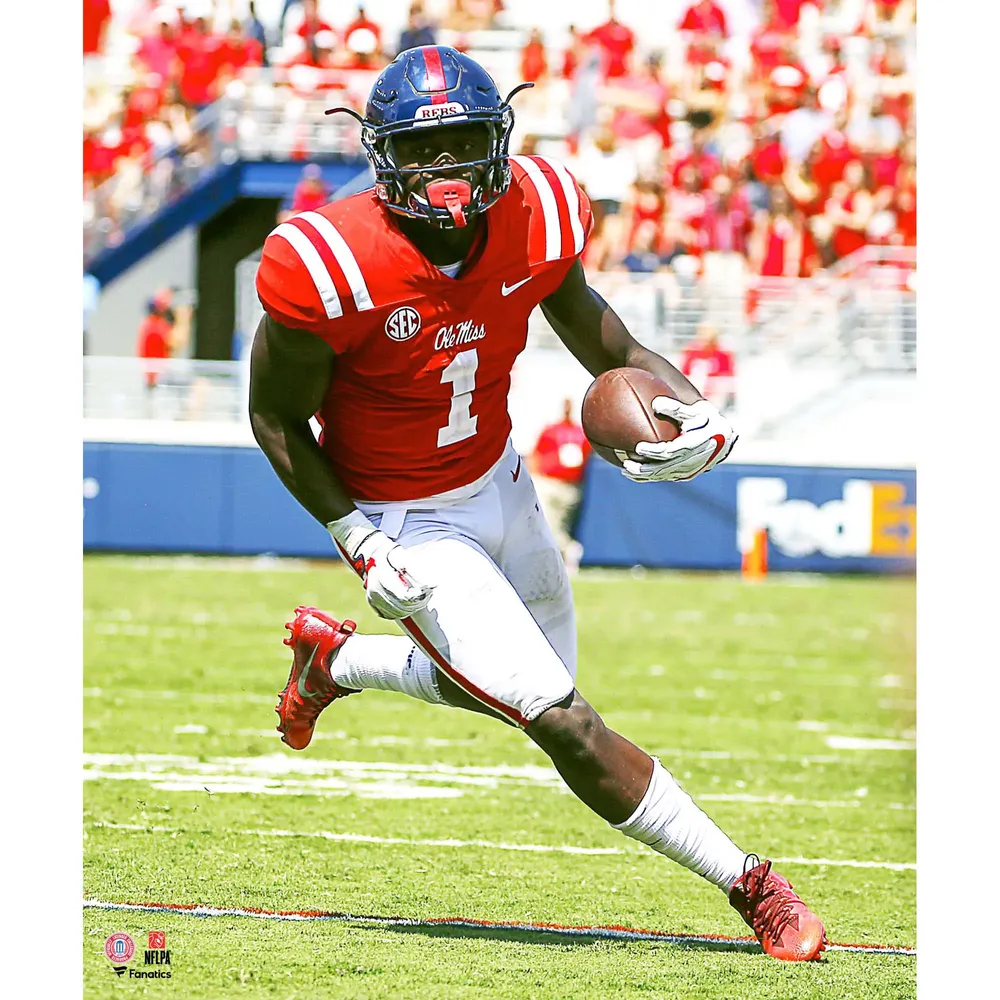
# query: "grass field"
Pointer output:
{"type": "Point", "coordinates": [786, 709]}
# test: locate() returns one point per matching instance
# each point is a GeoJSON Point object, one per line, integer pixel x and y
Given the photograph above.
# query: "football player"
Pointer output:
{"type": "Point", "coordinates": [395, 316]}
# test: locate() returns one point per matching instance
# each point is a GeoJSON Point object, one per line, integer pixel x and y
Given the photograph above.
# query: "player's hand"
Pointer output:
{"type": "Point", "coordinates": [706, 439]}
{"type": "Point", "coordinates": [392, 590]}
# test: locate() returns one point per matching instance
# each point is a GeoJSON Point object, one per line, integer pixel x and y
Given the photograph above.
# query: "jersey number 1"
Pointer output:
{"type": "Point", "coordinates": [461, 373]}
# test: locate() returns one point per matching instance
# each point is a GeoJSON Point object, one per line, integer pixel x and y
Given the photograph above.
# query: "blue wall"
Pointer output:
{"type": "Point", "coordinates": [818, 519]}
{"type": "Point", "coordinates": [163, 498]}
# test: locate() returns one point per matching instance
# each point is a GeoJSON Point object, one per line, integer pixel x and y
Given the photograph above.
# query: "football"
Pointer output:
{"type": "Point", "coordinates": [617, 413]}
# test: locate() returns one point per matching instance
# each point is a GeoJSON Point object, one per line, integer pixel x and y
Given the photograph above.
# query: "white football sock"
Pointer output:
{"type": "Point", "coordinates": [385, 663]}
{"type": "Point", "coordinates": [668, 821]}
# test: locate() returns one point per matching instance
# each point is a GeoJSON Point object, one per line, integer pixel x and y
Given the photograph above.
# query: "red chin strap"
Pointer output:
{"type": "Point", "coordinates": [453, 195]}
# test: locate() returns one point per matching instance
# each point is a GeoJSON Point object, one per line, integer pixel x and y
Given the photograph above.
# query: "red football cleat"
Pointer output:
{"type": "Point", "coordinates": [781, 922]}
{"type": "Point", "coordinates": [315, 637]}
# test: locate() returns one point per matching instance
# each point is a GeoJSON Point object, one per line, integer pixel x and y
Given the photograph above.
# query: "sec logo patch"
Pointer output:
{"type": "Point", "coordinates": [403, 324]}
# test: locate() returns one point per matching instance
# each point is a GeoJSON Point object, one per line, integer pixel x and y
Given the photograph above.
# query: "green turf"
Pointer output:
{"type": "Point", "coordinates": [745, 692]}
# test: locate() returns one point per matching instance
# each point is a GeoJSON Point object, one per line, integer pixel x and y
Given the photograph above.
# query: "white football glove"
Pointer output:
{"type": "Point", "coordinates": [392, 590]}
{"type": "Point", "coordinates": [706, 439]}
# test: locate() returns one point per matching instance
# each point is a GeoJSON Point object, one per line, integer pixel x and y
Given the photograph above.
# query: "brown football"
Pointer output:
{"type": "Point", "coordinates": [617, 413]}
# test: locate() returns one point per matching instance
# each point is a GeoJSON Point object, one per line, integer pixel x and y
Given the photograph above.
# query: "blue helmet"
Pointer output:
{"type": "Point", "coordinates": [431, 86]}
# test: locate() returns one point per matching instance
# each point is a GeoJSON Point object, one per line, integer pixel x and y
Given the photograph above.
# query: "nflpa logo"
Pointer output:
{"type": "Point", "coordinates": [157, 939]}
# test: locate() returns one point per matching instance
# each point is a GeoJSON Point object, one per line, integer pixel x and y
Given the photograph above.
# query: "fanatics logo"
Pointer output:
{"type": "Point", "coordinates": [403, 324]}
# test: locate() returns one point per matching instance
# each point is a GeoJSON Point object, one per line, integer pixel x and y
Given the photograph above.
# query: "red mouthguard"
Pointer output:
{"type": "Point", "coordinates": [453, 195]}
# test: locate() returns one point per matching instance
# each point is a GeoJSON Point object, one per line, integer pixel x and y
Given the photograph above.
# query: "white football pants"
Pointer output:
{"type": "Point", "coordinates": [500, 623]}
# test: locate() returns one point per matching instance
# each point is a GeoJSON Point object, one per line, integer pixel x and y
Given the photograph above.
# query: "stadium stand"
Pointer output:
{"type": "Point", "coordinates": [752, 166]}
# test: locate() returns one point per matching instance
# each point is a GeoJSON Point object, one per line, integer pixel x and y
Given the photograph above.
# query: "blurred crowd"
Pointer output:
{"type": "Point", "coordinates": [777, 151]}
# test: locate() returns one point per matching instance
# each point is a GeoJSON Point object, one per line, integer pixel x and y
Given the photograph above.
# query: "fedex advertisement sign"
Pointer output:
{"type": "Point", "coordinates": [870, 518]}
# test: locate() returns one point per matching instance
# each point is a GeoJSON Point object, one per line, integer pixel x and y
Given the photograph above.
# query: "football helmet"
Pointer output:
{"type": "Point", "coordinates": [428, 87]}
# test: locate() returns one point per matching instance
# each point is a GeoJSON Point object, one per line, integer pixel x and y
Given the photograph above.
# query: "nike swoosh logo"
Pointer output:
{"type": "Point", "coordinates": [517, 471]}
{"type": "Point", "coordinates": [506, 289]}
{"type": "Point", "coordinates": [303, 690]}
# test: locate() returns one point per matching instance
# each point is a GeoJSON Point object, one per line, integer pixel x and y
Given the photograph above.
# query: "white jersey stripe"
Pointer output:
{"type": "Point", "coordinates": [550, 210]}
{"type": "Point", "coordinates": [315, 266]}
{"type": "Point", "coordinates": [572, 200]}
{"type": "Point", "coordinates": [345, 258]}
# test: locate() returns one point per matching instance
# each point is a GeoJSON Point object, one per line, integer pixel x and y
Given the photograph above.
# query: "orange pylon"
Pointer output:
{"type": "Point", "coordinates": [755, 561]}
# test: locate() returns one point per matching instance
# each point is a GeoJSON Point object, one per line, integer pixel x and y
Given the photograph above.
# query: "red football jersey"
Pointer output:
{"type": "Point", "coordinates": [417, 404]}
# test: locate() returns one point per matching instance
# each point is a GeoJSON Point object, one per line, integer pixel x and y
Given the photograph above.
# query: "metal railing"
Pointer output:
{"type": "Point", "coordinates": [795, 341]}
{"type": "Point", "coordinates": [171, 389]}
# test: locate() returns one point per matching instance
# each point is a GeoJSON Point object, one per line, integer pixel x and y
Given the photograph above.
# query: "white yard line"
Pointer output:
{"type": "Point", "coordinates": [236, 564]}
{"type": "Point", "coordinates": [361, 838]}
{"type": "Point", "coordinates": [132, 694]}
{"type": "Point", "coordinates": [282, 774]}
{"type": "Point", "coordinates": [864, 743]}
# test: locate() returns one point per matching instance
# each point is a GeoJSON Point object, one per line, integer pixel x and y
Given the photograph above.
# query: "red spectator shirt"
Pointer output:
{"type": "Point", "coordinates": [200, 65]}
{"type": "Point", "coordinates": [833, 155]}
{"type": "Point", "coordinates": [569, 62]}
{"type": "Point", "coordinates": [714, 68]}
{"type": "Point", "coordinates": [885, 169]}
{"type": "Point", "coordinates": [768, 161]}
{"type": "Point", "coordinates": [629, 124]}
{"type": "Point", "coordinates": [726, 230]}
{"type": "Point", "coordinates": [154, 337]}
{"type": "Point", "coordinates": [788, 81]}
{"type": "Point", "coordinates": [709, 369]}
{"type": "Point", "coordinates": [648, 206]}
{"type": "Point", "coordinates": [305, 29]}
{"type": "Point", "coordinates": [154, 342]}
{"type": "Point", "coordinates": [847, 240]}
{"type": "Point", "coordinates": [708, 19]}
{"type": "Point", "coordinates": [236, 54]}
{"type": "Point", "coordinates": [788, 12]}
{"type": "Point", "coordinates": [306, 200]}
{"type": "Point", "coordinates": [766, 44]}
{"type": "Point", "coordinates": [144, 104]}
{"type": "Point", "coordinates": [779, 231]}
{"type": "Point", "coordinates": [707, 164]}
{"type": "Point", "coordinates": [157, 54]}
{"type": "Point", "coordinates": [363, 24]}
{"type": "Point", "coordinates": [96, 13]}
{"type": "Point", "coordinates": [617, 42]}
{"type": "Point", "coordinates": [417, 404]}
{"type": "Point", "coordinates": [99, 158]}
{"type": "Point", "coordinates": [561, 451]}
{"type": "Point", "coordinates": [811, 259]}
{"type": "Point", "coordinates": [689, 209]}
{"type": "Point", "coordinates": [906, 214]}
{"type": "Point", "coordinates": [533, 62]}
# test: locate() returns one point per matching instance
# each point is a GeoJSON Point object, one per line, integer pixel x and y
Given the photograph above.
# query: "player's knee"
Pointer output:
{"type": "Point", "coordinates": [569, 731]}
{"type": "Point", "coordinates": [540, 578]}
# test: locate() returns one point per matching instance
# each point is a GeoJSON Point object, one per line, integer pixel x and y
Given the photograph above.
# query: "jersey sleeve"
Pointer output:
{"type": "Point", "coordinates": [296, 289]}
{"type": "Point", "coordinates": [560, 216]}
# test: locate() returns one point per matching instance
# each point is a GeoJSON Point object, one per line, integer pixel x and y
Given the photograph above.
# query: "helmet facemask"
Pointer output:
{"type": "Point", "coordinates": [443, 194]}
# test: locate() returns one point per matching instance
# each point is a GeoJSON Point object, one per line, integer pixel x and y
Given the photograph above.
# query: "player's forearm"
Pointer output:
{"type": "Point", "coordinates": [638, 356]}
{"type": "Point", "coordinates": [301, 466]}
{"type": "Point", "coordinates": [599, 340]}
